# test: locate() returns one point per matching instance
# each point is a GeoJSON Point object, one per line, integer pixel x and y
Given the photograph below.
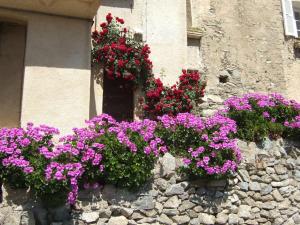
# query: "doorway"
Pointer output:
{"type": "Point", "coordinates": [12, 53]}
{"type": "Point", "coordinates": [118, 99]}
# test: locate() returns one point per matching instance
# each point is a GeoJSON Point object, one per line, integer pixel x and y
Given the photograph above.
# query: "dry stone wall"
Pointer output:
{"type": "Point", "coordinates": [266, 190]}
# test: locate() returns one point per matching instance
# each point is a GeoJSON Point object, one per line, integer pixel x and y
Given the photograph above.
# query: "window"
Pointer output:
{"type": "Point", "coordinates": [297, 19]}
{"type": "Point", "coordinates": [194, 59]}
{"type": "Point", "coordinates": [297, 53]}
{"type": "Point", "coordinates": [291, 17]}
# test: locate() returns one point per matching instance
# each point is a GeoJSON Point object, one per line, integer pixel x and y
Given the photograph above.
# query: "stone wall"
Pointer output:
{"type": "Point", "coordinates": [264, 191]}
{"type": "Point", "coordinates": [240, 51]}
{"type": "Point", "coordinates": [244, 49]}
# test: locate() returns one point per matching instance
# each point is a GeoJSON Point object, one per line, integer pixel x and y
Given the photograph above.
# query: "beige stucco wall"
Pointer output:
{"type": "Point", "coordinates": [56, 88]}
{"type": "Point", "coordinates": [163, 25]}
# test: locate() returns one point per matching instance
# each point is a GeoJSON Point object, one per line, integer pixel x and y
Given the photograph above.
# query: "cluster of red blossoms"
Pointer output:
{"type": "Point", "coordinates": [121, 56]}
{"type": "Point", "coordinates": [179, 98]}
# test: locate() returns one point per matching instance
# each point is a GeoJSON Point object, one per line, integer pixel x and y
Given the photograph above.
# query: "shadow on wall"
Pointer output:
{"type": "Point", "coordinates": [118, 3]}
{"type": "Point", "coordinates": [58, 42]}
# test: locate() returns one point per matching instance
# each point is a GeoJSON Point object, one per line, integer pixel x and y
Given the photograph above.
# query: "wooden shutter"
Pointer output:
{"type": "Point", "coordinates": [289, 19]}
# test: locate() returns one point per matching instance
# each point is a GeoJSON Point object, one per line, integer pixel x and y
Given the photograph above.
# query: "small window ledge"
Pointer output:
{"type": "Point", "coordinates": [195, 32]}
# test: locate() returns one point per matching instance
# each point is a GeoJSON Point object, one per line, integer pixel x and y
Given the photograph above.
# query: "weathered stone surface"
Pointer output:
{"type": "Point", "coordinates": [296, 196]}
{"type": "Point", "coordinates": [244, 186]}
{"type": "Point", "coordinates": [105, 213]}
{"type": "Point", "coordinates": [186, 205]}
{"type": "Point", "coordinates": [206, 218]}
{"type": "Point", "coordinates": [278, 197]}
{"type": "Point", "coordinates": [233, 219]}
{"type": "Point", "coordinates": [181, 219]}
{"type": "Point", "coordinates": [127, 212]}
{"type": "Point", "coordinates": [266, 189]}
{"type": "Point", "coordinates": [90, 217]}
{"type": "Point", "coordinates": [164, 219]}
{"type": "Point", "coordinates": [280, 184]}
{"type": "Point", "coordinates": [296, 218]}
{"type": "Point", "coordinates": [144, 202]}
{"type": "Point", "coordinates": [280, 169]}
{"type": "Point", "coordinates": [254, 186]}
{"type": "Point", "coordinates": [119, 220]}
{"type": "Point", "coordinates": [162, 184]}
{"type": "Point", "coordinates": [170, 212]}
{"type": "Point", "coordinates": [244, 211]}
{"type": "Point", "coordinates": [168, 165]}
{"type": "Point", "coordinates": [195, 221]}
{"type": "Point", "coordinates": [175, 189]}
{"type": "Point", "coordinates": [173, 202]}
{"type": "Point", "coordinates": [222, 218]}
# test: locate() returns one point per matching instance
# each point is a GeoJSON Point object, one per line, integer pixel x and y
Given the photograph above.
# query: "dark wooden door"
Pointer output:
{"type": "Point", "coordinates": [12, 53]}
{"type": "Point", "coordinates": [118, 99]}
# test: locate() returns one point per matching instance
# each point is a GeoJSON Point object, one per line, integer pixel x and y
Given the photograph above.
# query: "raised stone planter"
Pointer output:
{"type": "Point", "coordinates": [264, 191]}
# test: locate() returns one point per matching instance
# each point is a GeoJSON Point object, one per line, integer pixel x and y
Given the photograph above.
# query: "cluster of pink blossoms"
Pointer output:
{"type": "Point", "coordinates": [214, 133]}
{"type": "Point", "coordinates": [15, 142]}
{"type": "Point", "coordinates": [269, 105]}
{"type": "Point", "coordinates": [80, 155]}
{"type": "Point", "coordinates": [70, 171]}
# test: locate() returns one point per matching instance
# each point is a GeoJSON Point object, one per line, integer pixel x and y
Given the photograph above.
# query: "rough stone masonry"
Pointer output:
{"type": "Point", "coordinates": [266, 190]}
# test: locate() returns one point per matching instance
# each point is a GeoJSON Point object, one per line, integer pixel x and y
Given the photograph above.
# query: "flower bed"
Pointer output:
{"type": "Point", "coordinates": [120, 153]}
{"type": "Point", "coordinates": [260, 115]}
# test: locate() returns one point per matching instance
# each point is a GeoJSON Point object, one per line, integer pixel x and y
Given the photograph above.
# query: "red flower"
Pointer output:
{"type": "Point", "coordinates": [103, 25]}
{"type": "Point", "coordinates": [120, 20]}
{"type": "Point", "coordinates": [109, 18]}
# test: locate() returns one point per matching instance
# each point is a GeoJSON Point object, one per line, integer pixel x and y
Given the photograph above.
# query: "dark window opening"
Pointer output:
{"type": "Point", "coordinates": [118, 99]}
{"type": "Point", "coordinates": [297, 53]}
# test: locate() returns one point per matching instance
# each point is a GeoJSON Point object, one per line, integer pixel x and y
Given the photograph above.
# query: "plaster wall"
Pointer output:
{"type": "Point", "coordinates": [163, 26]}
{"type": "Point", "coordinates": [56, 88]}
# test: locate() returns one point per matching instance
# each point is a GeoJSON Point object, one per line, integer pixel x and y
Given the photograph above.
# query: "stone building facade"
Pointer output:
{"type": "Point", "coordinates": [240, 47]}
{"type": "Point", "coordinates": [45, 68]}
{"type": "Point", "coordinates": [45, 47]}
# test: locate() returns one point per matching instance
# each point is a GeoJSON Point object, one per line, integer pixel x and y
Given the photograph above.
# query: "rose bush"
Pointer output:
{"type": "Point", "coordinates": [160, 99]}
{"type": "Point", "coordinates": [119, 53]}
{"type": "Point", "coordinates": [123, 57]}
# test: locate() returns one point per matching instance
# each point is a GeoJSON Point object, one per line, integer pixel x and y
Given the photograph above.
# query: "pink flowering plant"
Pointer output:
{"type": "Point", "coordinates": [24, 155]}
{"type": "Point", "coordinates": [131, 149]}
{"type": "Point", "coordinates": [207, 146]}
{"type": "Point", "coordinates": [261, 115]}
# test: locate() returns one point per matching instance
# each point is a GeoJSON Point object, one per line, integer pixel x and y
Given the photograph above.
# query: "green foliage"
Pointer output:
{"type": "Point", "coordinates": [123, 167]}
